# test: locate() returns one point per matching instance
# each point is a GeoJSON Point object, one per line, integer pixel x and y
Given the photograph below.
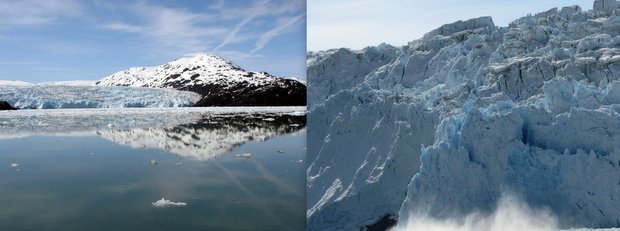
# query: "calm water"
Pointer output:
{"type": "Point", "coordinates": [105, 173]}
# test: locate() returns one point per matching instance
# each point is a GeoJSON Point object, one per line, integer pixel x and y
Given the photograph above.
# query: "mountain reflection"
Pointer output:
{"type": "Point", "coordinates": [200, 133]}
{"type": "Point", "coordinates": [210, 136]}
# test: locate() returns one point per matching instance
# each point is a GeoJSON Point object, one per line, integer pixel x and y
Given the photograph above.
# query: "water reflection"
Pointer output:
{"type": "Point", "coordinates": [74, 178]}
{"type": "Point", "coordinates": [199, 133]}
{"type": "Point", "coordinates": [210, 136]}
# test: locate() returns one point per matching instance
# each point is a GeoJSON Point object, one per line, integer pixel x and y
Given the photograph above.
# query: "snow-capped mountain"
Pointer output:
{"type": "Point", "coordinates": [220, 82]}
{"type": "Point", "coordinates": [446, 124]}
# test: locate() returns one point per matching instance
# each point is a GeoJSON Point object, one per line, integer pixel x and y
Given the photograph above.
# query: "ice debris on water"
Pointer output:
{"type": "Point", "coordinates": [153, 162]}
{"type": "Point", "coordinates": [178, 163]}
{"type": "Point", "coordinates": [280, 151]}
{"type": "Point", "coordinates": [14, 165]}
{"type": "Point", "coordinates": [245, 155]}
{"type": "Point", "coordinates": [167, 203]}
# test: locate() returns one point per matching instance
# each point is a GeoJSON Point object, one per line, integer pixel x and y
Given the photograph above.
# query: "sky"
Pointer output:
{"type": "Point", "coordinates": [362, 23]}
{"type": "Point", "coordinates": [59, 40]}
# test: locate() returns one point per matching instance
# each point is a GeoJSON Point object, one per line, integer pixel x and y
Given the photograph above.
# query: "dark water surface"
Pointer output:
{"type": "Point", "coordinates": [107, 179]}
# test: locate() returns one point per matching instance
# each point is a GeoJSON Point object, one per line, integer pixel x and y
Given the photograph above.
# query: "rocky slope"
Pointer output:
{"type": "Point", "coordinates": [6, 106]}
{"type": "Point", "coordinates": [220, 82]}
{"type": "Point", "coordinates": [446, 124]}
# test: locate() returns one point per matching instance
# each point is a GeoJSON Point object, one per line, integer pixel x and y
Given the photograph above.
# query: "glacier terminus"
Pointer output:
{"type": "Point", "coordinates": [447, 124]}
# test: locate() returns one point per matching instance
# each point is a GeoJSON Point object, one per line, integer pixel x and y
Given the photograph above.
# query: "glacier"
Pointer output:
{"type": "Point", "coordinates": [64, 95]}
{"type": "Point", "coordinates": [446, 124]}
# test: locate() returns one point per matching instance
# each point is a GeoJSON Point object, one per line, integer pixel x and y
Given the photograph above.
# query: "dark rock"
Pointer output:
{"type": "Point", "coordinates": [283, 92]}
{"type": "Point", "coordinates": [385, 223]}
{"type": "Point", "coordinates": [6, 106]}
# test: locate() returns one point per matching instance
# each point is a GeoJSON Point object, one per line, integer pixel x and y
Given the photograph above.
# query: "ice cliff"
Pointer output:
{"type": "Point", "coordinates": [46, 96]}
{"type": "Point", "coordinates": [446, 124]}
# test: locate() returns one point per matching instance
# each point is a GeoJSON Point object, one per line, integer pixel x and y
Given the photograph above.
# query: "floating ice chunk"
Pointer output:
{"type": "Point", "coordinates": [269, 119]}
{"type": "Point", "coordinates": [245, 155]}
{"type": "Point", "coordinates": [280, 151]}
{"type": "Point", "coordinates": [167, 203]}
{"type": "Point", "coordinates": [299, 161]}
{"type": "Point", "coordinates": [153, 162]}
{"type": "Point", "coordinates": [14, 165]}
{"type": "Point", "coordinates": [178, 163]}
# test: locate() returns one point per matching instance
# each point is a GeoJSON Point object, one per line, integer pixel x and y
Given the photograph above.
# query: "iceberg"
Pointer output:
{"type": "Point", "coordinates": [244, 155]}
{"type": "Point", "coordinates": [46, 96]}
{"type": "Point", "coordinates": [163, 203]}
{"type": "Point", "coordinates": [446, 124]}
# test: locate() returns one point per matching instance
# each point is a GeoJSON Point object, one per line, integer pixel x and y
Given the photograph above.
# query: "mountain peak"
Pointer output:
{"type": "Point", "coordinates": [205, 60]}
{"type": "Point", "coordinates": [218, 80]}
{"type": "Point", "coordinates": [201, 69]}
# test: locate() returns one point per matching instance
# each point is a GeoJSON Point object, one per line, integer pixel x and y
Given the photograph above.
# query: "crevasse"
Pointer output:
{"type": "Point", "coordinates": [449, 122]}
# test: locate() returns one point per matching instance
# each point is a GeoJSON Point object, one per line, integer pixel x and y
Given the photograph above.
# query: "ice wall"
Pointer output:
{"type": "Point", "coordinates": [449, 122]}
{"type": "Point", "coordinates": [59, 96]}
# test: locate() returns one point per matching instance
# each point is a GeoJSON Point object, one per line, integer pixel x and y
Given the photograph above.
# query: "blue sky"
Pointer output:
{"type": "Point", "coordinates": [53, 40]}
{"type": "Point", "coordinates": [361, 23]}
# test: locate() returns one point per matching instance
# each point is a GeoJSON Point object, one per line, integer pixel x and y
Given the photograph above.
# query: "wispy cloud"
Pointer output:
{"type": "Point", "coordinates": [37, 12]}
{"type": "Point", "coordinates": [238, 55]}
{"type": "Point", "coordinates": [56, 69]}
{"type": "Point", "coordinates": [282, 26]}
{"type": "Point", "coordinates": [185, 31]}
{"type": "Point", "coordinates": [21, 63]}
{"type": "Point", "coordinates": [121, 26]}
{"type": "Point", "coordinates": [170, 28]}
{"type": "Point", "coordinates": [256, 11]}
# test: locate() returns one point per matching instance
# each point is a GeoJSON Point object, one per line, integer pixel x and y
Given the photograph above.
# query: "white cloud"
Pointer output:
{"type": "Point", "coordinates": [258, 10]}
{"type": "Point", "coordinates": [37, 12]}
{"type": "Point", "coordinates": [179, 30]}
{"type": "Point", "coordinates": [280, 28]}
{"type": "Point", "coordinates": [12, 63]}
{"type": "Point", "coordinates": [122, 27]}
